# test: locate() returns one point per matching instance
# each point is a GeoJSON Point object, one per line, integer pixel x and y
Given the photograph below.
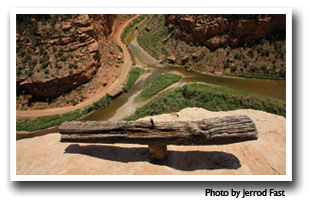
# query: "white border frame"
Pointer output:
{"type": "Point", "coordinates": [156, 10]}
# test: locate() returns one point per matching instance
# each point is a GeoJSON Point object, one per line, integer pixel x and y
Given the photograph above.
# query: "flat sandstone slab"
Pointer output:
{"type": "Point", "coordinates": [265, 156]}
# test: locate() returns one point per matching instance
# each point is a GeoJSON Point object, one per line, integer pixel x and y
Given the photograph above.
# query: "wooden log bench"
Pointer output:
{"type": "Point", "coordinates": [157, 135]}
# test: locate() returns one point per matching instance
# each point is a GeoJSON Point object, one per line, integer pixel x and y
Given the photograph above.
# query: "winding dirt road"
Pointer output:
{"type": "Point", "coordinates": [125, 67]}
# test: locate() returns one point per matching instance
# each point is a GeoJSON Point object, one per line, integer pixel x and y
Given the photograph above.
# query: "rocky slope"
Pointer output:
{"type": "Point", "coordinates": [58, 53]}
{"type": "Point", "coordinates": [239, 44]}
{"type": "Point", "coordinates": [216, 31]}
{"type": "Point", "coordinates": [45, 155]}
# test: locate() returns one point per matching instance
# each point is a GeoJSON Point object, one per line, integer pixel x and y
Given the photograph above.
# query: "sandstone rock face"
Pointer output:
{"type": "Point", "coordinates": [148, 29]}
{"type": "Point", "coordinates": [216, 31]}
{"type": "Point", "coordinates": [172, 59]}
{"type": "Point", "coordinates": [77, 40]}
{"type": "Point", "coordinates": [102, 24]}
{"type": "Point", "coordinates": [45, 155]}
{"type": "Point", "coordinates": [116, 92]}
{"type": "Point", "coordinates": [184, 59]}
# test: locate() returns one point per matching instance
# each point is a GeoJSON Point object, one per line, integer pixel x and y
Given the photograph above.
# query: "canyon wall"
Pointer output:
{"type": "Point", "coordinates": [216, 31]}
{"type": "Point", "coordinates": [57, 53]}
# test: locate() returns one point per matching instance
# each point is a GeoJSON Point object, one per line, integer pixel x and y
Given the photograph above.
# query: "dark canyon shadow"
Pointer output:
{"type": "Point", "coordinates": [181, 160]}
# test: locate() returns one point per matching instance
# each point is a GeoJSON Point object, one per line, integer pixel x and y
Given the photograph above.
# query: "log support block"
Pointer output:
{"type": "Point", "coordinates": [158, 152]}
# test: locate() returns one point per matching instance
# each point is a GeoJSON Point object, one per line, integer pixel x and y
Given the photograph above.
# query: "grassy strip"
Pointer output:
{"type": "Point", "coordinates": [38, 123]}
{"type": "Point", "coordinates": [134, 74]}
{"type": "Point", "coordinates": [258, 76]}
{"type": "Point", "coordinates": [131, 25]}
{"type": "Point", "coordinates": [159, 83]}
{"type": "Point", "coordinates": [210, 97]}
{"type": "Point", "coordinates": [149, 40]}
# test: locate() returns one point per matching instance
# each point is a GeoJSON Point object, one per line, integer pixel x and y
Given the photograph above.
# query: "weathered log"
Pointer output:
{"type": "Point", "coordinates": [158, 152]}
{"type": "Point", "coordinates": [221, 130]}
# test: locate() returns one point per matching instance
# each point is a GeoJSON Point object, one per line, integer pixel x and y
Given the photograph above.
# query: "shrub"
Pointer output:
{"type": "Point", "coordinates": [282, 73]}
{"type": "Point", "coordinates": [238, 56]}
{"type": "Point", "coordinates": [120, 48]}
{"type": "Point", "coordinates": [264, 69]}
{"type": "Point", "coordinates": [43, 59]}
{"type": "Point", "coordinates": [41, 49]}
{"type": "Point", "coordinates": [233, 69]}
{"type": "Point", "coordinates": [29, 73]}
{"type": "Point", "coordinates": [45, 64]}
{"type": "Point", "coordinates": [59, 54]}
{"type": "Point", "coordinates": [73, 101]}
{"type": "Point", "coordinates": [73, 65]}
{"type": "Point", "coordinates": [63, 58]}
{"type": "Point", "coordinates": [33, 63]}
{"type": "Point", "coordinates": [253, 68]}
{"type": "Point", "coordinates": [251, 53]}
{"type": "Point", "coordinates": [227, 64]}
{"type": "Point", "coordinates": [228, 53]}
{"type": "Point", "coordinates": [266, 52]}
{"type": "Point", "coordinates": [165, 52]}
{"type": "Point", "coordinates": [21, 53]}
{"type": "Point", "coordinates": [246, 63]}
{"type": "Point", "coordinates": [58, 66]}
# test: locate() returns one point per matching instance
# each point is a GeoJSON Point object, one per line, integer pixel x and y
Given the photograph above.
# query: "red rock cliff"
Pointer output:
{"type": "Point", "coordinates": [216, 31]}
{"type": "Point", "coordinates": [77, 39]}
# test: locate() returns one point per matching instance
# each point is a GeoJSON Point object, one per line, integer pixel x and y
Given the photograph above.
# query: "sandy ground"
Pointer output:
{"type": "Point", "coordinates": [129, 108]}
{"type": "Point", "coordinates": [125, 67]}
{"type": "Point", "coordinates": [265, 156]}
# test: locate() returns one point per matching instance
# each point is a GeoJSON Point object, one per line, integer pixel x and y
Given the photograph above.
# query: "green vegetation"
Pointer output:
{"type": "Point", "coordinates": [131, 26]}
{"type": "Point", "coordinates": [33, 63]}
{"type": "Point", "coordinates": [63, 58]}
{"type": "Point", "coordinates": [149, 40]}
{"type": "Point", "coordinates": [280, 76]}
{"type": "Point", "coordinates": [73, 101]}
{"type": "Point", "coordinates": [120, 48]}
{"type": "Point", "coordinates": [45, 64]}
{"type": "Point", "coordinates": [32, 124]}
{"type": "Point", "coordinates": [101, 103]}
{"type": "Point", "coordinates": [165, 52]}
{"type": "Point", "coordinates": [210, 97]}
{"type": "Point", "coordinates": [159, 83]}
{"type": "Point", "coordinates": [134, 74]}
{"type": "Point", "coordinates": [73, 65]}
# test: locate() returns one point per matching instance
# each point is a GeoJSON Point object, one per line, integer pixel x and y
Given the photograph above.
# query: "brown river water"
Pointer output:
{"type": "Point", "coordinates": [271, 88]}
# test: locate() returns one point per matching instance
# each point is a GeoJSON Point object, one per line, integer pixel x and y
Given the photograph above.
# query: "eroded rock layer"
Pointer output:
{"type": "Point", "coordinates": [57, 53]}
{"type": "Point", "coordinates": [216, 31]}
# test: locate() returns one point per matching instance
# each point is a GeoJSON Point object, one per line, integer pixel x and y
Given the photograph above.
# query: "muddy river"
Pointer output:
{"type": "Point", "coordinates": [124, 105]}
